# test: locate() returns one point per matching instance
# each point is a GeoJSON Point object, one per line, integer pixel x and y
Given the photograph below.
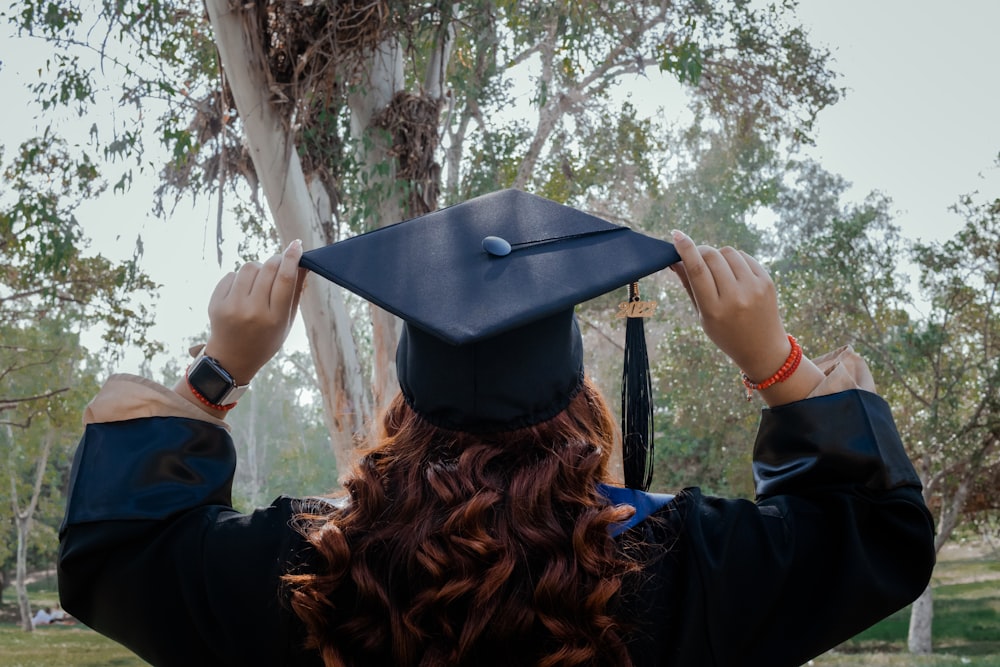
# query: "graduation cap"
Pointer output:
{"type": "Point", "coordinates": [486, 290]}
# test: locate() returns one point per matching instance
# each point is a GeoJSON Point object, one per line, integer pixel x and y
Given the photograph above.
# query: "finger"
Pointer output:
{"type": "Point", "coordinates": [681, 273]}
{"type": "Point", "coordinates": [283, 288]}
{"type": "Point", "coordinates": [722, 273]}
{"type": "Point", "coordinates": [266, 277]}
{"type": "Point", "coordinates": [700, 282]}
{"type": "Point", "coordinates": [222, 289]}
{"type": "Point", "coordinates": [736, 266]}
{"type": "Point", "coordinates": [245, 278]}
{"type": "Point", "coordinates": [755, 267]}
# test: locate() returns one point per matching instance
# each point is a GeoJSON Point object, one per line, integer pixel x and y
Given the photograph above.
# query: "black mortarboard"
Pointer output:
{"type": "Point", "coordinates": [487, 289]}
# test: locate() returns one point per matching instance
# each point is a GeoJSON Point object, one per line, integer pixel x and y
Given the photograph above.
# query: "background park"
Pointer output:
{"type": "Point", "coordinates": [135, 173]}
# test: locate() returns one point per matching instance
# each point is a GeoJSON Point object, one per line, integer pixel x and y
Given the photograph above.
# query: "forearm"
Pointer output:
{"type": "Point", "coordinates": [182, 389]}
{"type": "Point", "coordinates": [800, 385]}
{"type": "Point", "coordinates": [840, 370]}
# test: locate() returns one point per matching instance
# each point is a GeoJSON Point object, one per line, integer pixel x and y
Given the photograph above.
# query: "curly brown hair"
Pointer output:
{"type": "Point", "coordinates": [471, 549]}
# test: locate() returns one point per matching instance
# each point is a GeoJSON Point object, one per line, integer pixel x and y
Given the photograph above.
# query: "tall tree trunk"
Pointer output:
{"type": "Point", "coordinates": [385, 80]}
{"type": "Point", "coordinates": [23, 520]}
{"type": "Point", "coordinates": [23, 525]}
{"type": "Point", "coordinates": [345, 400]}
{"type": "Point", "coordinates": [253, 462]}
{"type": "Point", "coordinates": [920, 636]}
{"type": "Point", "coordinates": [918, 639]}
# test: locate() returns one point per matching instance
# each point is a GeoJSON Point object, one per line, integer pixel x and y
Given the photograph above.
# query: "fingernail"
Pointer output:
{"type": "Point", "coordinates": [297, 243]}
{"type": "Point", "coordinates": [678, 235]}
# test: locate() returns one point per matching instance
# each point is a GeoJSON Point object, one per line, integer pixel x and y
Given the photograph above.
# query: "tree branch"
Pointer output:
{"type": "Point", "coordinates": [10, 403]}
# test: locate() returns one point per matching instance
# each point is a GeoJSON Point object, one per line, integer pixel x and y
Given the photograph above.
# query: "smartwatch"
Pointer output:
{"type": "Point", "coordinates": [213, 383]}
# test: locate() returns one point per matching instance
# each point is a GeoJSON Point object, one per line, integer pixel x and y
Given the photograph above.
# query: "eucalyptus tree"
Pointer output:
{"type": "Point", "coordinates": [353, 114]}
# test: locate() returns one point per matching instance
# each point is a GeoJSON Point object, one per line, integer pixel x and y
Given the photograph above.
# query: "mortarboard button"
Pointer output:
{"type": "Point", "coordinates": [496, 246]}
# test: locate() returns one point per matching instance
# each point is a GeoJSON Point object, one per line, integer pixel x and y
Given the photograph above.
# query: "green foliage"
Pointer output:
{"type": "Point", "coordinates": [530, 101]}
{"type": "Point", "coordinates": [47, 380]}
{"type": "Point", "coordinates": [611, 156]}
{"type": "Point", "coordinates": [841, 272]}
{"type": "Point", "coordinates": [282, 442]}
{"type": "Point", "coordinates": [843, 283]}
{"type": "Point", "coordinates": [751, 71]}
{"type": "Point", "coordinates": [684, 60]}
{"type": "Point", "coordinates": [492, 161]}
{"type": "Point", "coordinates": [748, 69]}
{"type": "Point", "coordinates": [705, 430]}
{"type": "Point", "coordinates": [46, 272]}
{"type": "Point", "coordinates": [715, 191]}
{"type": "Point", "coordinates": [51, 289]}
{"type": "Point", "coordinates": [958, 351]}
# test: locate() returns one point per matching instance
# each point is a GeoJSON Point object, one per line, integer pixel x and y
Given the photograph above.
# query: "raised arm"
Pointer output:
{"type": "Point", "coordinates": [251, 312]}
{"type": "Point", "coordinates": [738, 307]}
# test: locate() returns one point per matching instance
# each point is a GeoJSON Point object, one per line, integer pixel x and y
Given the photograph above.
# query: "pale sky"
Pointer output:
{"type": "Point", "coordinates": [921, 119]}
{"type": "Point", "coordinates": [919, 123]}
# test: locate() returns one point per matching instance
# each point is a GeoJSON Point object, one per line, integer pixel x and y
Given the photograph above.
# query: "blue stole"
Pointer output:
{"type": "Point", "coordinates": [645, 504]}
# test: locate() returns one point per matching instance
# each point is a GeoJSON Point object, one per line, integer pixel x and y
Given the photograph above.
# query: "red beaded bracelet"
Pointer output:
{"type": "Point", "coordinates": [198, 395]}
{"type": "Point", "coordinates": [785, 372]}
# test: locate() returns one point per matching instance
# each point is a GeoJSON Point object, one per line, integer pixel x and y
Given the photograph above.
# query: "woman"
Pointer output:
{"type": "Point", "coordinates": [483, 528]}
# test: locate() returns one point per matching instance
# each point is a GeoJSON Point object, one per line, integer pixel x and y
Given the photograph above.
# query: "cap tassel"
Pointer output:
{"type": "Point", "coordinates": [637, 392]}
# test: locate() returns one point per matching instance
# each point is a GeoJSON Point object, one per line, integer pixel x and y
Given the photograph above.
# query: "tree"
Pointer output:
{"type": "Point", "coordinates": [48, 276]}
{"type": "Point", "coordinates": [954, 379]}
{"type": "Point", "coordinates": [335, 111]}
{"type": "Point", "coordinates": [283, 445]}
{"type": "Point", "coordinates": [36, 456]}
{"type": "Point", "coordinates": [51, 289]}
{"type": "Point", "coordinates": [940, 369]}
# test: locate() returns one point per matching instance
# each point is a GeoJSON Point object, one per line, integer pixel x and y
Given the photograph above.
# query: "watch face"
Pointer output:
{"type": "Point", "coordinates": [210, 380]}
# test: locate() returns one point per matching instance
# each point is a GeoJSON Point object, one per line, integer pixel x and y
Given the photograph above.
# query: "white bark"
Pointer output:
{"type": "Point", "coordinates": [918, 639]}
{"type": "Point", "coordinates": [385, 79]}
{"type": "Point", "coordinates": [437, 65]}
{"type": "Point", "coordinates": [296, 216]}
{"type": "Point", "coordinates": [23, 520]}
{"type": "Point", "coordinates": [253, 461]}
{"type": "Point", "coordinates": [23, 525]}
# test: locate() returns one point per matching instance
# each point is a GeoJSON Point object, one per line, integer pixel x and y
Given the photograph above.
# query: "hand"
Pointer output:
{"type": "Point", "coordinates": [251, 312]}
{"type": "Point", "coordinates": [738, 308]}
{"type": "Point", "coordinates": [737, 304]}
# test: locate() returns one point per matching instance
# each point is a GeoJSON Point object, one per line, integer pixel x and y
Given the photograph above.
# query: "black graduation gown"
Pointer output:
{"type": "Point", "coordinates": [153, 555]}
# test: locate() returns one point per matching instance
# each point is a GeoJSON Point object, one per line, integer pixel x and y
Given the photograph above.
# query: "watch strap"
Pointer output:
{"type": "Point", "coordinates": [232, 393]}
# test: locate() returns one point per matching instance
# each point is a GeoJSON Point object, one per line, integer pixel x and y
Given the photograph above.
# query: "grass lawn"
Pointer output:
{"type": "Point", "coordinates": [59, 646]}
{"type": "Point", "coordinates": [966, 622]}
{"type": "Point", "coordinates": [966, 629]}
{"type": "Point", "coordinates": [54, 645]}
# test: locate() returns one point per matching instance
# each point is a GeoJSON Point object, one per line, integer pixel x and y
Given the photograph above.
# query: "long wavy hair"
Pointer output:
{"type": "Point", "coordinates": [462, 549]}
